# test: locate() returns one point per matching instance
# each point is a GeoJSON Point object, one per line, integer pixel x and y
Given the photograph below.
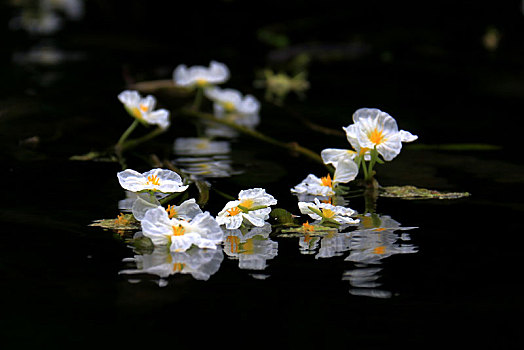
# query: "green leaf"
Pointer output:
{"type": "Point", "coordinates": [282, 216]}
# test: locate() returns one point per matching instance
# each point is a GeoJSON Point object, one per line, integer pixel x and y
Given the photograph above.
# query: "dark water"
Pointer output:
{"type": "Point", "coordinates": [458, 279]}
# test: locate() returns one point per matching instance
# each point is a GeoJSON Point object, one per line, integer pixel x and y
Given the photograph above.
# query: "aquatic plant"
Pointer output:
{"type": "Point", "coordinates": [252, 208]}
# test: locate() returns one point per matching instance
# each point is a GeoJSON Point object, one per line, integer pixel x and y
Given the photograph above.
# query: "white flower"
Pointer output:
{"type": "Point", "coordinates": [161, 180]}
{"type": "Point", "coordinates": [202, 231]}
{"type": "Point", "coordinates": [340, 214]}
{"type": "Point", "coordinates": [313, 185]}
{"type": "Point", "coordinates": [232, 101]}
{"type": "Point", "coordinates": [185, 211]}
{"type": "Point", "coordinates": [346, 169]}
{"type": "Point", "coordinates": [201, 76]}
{"type": "Point", "coordinates": [143, 108]}
{"type": "Point", "coordinates": [374, 128]}
{"type": "Point", "coordinates": [252, 205]}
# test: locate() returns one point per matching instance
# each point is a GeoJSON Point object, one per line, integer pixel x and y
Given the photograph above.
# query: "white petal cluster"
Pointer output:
{"type": "Point", "coordinates": [202, 230]}
{"type": "Point", "coordinates": [232, 216]}
{"type": "Point", "coordinates": [143, 109]}
{"type": "Point", "coordinates": [313, 185]}
{"type": "Point", "coordinates": [161, 180]}
{"type": "Point", "coordinates": [200, 76]}
{"type": "Point", "coordinates": [232, 101]}
{"type": "Point", "coordinates": [340, 214]}
{"type": "Point", "coordinates": [374, 128]}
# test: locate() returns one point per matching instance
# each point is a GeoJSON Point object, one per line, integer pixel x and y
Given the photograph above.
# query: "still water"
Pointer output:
{"type": "Point", "coordinates": [416, 272]}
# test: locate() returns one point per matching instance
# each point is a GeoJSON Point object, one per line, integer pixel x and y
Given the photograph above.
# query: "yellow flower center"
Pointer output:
{"type": "Point", "coordinates": [379, 229]}
{"type": "Point", "coordinates": [178, 230]}
{"type": "Point", "coordinates": [229, 106]}
{"type": "Point", "coordinates": [121, 220]}
{"type": "Point", "coordinates": [307, 227]}
{"type": "Point", "coordinates": [376, 136]}
{"type": "Point", "coordinates": [246, 203]}
{"type": "Point", "coordinates": [234, 211]}
{"type": "Point", "coordinates": [328, 213]}
{"type": "Point", "coordinates": [201, 82]}
{"type": "Point", "coordinates": [379, 250]}
{"type": "Point", "coordinates": [153, 180]}
{"type": "Point", "coordinates": [171, 212]}
{"type": "Point", "coordinates": [326, 181]}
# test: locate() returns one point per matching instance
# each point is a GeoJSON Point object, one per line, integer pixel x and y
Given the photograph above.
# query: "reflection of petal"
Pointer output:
{"type": "Point", "coordinates": [373, 293]}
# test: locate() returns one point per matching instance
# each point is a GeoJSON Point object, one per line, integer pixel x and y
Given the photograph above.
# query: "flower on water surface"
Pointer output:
{"type": "Point", "coordinates": [158, 180]}
{"type": "Point", "coordinates": [185, 211]}
{"type": "Point", "coordinates": [341, 215]}
{"type": "Point", "coordinates": [373, 128]}
{"type": "Point", "coordinates": [202, 230]}
{"type": "Point", "coordinates": [200, 146]}
{"type": "Point", "coordinates": [346, 169]}
{"type": "Point", "coordinates": [200, 76]}
{"type": "Point", "coordinates": [252, 206]}
{"type": "Point", "coordinates": [143, 108]}
{"type": "Point", "coordinates": [232, 101]}
{"type": "Point", "coordinates": [313, 185]}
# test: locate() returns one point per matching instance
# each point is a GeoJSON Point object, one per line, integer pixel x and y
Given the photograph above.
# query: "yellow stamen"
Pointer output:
{"type": "Point", "coordinates": [363, 151]}
{"type": "Point", "coordinates": [327, 201]}
{"type": "Point", "coordinates": [326, 181]}
{"type": "Point", "coordinates": [121, 220]}
{"type": "Point", "coordinates": [376, 136]}
{"type": "Point", "coordinates": [234, 211]}
{"type": "Point", "coordinates": [229, 106]}
{"type": "Point", "coordinates": [246, 203]}
{"type": "Point", "coordinates": [135, 111]}
{"type": "Point", "coordinates": [178, 230]}
{"type": "Point", "coordinates": [153, 180]}
{"type": "Point", "coordinates": [171, 212]}
{"type": "Point", "coordinates": [307, 227]}
{"type": "Point", "coordinates": [201, 82]}
{"type": "Point", "coordinates": [143, 107]}
{"type": "Point", "coordinates": [328, 213]}
{"type": "Point", "coordinates": [379, 229]}
{"type": "Point", "coordinates": [379, 250]}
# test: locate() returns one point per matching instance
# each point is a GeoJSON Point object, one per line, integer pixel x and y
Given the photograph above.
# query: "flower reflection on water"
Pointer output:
{"type": "Point", "coordinates": [197, 262]}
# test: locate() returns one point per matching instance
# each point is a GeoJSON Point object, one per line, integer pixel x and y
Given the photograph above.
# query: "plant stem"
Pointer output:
{"type": "Point", "coordinates": [291, 146]}
{"type": "Point", "coordinates": [198, 98]}
{"type": "Point", "coordinates": [135, 142]}
{"type": "Point", "coordinates": [126, 133]}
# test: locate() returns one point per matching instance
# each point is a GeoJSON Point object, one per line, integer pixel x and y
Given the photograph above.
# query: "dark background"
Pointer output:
{"type": "Point", "coordinates": [424, 63]}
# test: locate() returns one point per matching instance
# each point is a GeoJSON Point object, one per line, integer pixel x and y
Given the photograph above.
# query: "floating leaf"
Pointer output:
{"type": "Point", "coordinates": [282, 216]}
{"type": "Point", "coordinates": [412, 192]}
{"type": "Point", "coordinates": [122, 222]}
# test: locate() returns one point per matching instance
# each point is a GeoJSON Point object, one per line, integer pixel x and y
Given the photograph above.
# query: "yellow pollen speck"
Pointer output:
{"type": "Point", "coordinates": [178, 230]}
{"type": "Point", "coordinates": [379, 250]}
{"type": "Point", "coordinates": [153, 180]}
{"type": "Point", "coordinates": [234, 211]}
{"type": "Point", "coordinates": [171, 212]}
{"type": "Point", "coordinates": [328, 213]}
{"type": "Point", "coordinates": [379, 229]}
{"type": "Point", "coordinates": [376, 136]}
{"type": "Point", "coordinates": [143, 107]}
{"type": "Point", "coordinates": [326, 181]}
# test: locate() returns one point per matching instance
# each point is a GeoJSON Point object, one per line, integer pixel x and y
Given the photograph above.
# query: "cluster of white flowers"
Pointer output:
{"type": "Point", "coordinates": [373, 133]}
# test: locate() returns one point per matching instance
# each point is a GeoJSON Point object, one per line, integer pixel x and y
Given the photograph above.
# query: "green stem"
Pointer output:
{"type": "Point", "coordinates": [198, 98]}
{"type": "Point", "coordinates": [135, 142]}
{"type": "Point", "coordinates": [291, 146]}
{"type": "Point", "coordinates": [126, 133]}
